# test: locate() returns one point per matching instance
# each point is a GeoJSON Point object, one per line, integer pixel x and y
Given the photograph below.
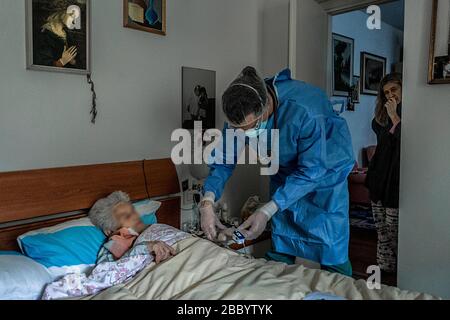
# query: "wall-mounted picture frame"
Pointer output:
{"type": "Point", "coordinates": [356, 89]}
{"type": "Point", "coordinates": [373, 70]}
{"type": "Point", "coordinates": [439, 57]}
{"type": "Point", "coordinates": [199, 98]}
{"type": "Point", "coordinates": [343, 60]}
{"type": "Point", "coordinates": [58, 35]}
{"type": "Point", "coordinates": [145, 15]}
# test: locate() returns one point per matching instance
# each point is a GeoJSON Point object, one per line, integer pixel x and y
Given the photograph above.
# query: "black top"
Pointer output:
{"type": "Point", "coordinates": [49, 48]}
{"type": "Point", "coordinates": [383, 177]}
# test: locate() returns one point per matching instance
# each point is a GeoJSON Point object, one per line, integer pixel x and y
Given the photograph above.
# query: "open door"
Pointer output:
{"type": "Point", "coordinates": [309, 42]}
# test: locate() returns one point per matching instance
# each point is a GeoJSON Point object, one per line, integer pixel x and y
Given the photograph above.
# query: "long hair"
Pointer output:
{"type": "Point", "coordinates": [381, 115]}
{"type": "Point", "coordinates": [55, 18]}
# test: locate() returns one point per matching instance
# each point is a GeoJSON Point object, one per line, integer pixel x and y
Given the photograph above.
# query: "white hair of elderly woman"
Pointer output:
{"type": "Point", "coordinates": [101, 214]}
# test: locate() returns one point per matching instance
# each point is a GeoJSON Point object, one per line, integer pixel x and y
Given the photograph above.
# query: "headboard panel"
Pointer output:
{"type": "Point", "coordinates": [37, 193]}
{"type": "Point", "coordinates": [43, 193]}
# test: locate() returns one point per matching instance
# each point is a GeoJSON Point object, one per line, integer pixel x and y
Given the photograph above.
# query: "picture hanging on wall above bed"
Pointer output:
{"type": "Point", "coordinates": [58, 33]}
{"type": "Point", "coordinates": [145, 15]}
{"type": "Point", "coordinates": [373, 70]}
{"type": "Point", "coordinates": [199, 98]}
{"type": "Point", "coordinates": [439, 61]}
{"type": "Point", "coordinates": [343, 57]}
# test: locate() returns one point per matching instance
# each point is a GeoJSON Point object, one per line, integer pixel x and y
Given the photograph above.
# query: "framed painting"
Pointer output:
{"type": "Point", "coordinates": [439, 60]}
{"type": "Point", "coordinates": [343, 57]}
{"type": "Point", "coordinates": [199, 98]}
{"type": "Point", "coordinates": [373, 70]}
{"type": "Point", "coordinates": [145, 15]}
{"type": "Point", "coordinates": [356, 89]}
{"type": "Point", "coordinates": [58, 35]}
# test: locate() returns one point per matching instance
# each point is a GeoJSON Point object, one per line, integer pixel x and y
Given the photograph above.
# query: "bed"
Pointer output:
{"type": "Point", "coordinates": [201, 270]}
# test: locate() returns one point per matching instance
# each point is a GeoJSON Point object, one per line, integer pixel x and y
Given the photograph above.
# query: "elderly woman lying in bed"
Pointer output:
{"type": "Point", "coordinates": [131, 247]}
{"type": "Point", "coordinates": [119, 220]}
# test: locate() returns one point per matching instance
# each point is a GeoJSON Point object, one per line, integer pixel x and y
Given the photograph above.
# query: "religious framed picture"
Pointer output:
{"type": "Point", "coordinates": [373, 70]}
{"type": "Point", "coordinates": [58, 35]}
{"type": "Point", "coordinates": [199, 98]}
{"type": "Point", "coordinates": [343, 57]}
{"type": "Point", "coordinates": [145, 15]}
{"type": "Point", "coordinates": [439, 60]}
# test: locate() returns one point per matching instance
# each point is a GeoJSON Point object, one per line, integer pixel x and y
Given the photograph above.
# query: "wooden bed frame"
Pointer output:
{"type": "Point", "coordinates": [34, 199]}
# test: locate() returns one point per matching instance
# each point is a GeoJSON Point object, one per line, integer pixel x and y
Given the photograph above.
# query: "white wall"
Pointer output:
{"type": "Point", "coordinates": [44, 117]}
{"type": "Point", "coordinates": [386, 43]}
{"type": "Point", "coordinates": [424, 248]}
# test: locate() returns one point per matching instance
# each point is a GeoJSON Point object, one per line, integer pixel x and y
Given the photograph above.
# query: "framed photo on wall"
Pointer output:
{"type": "Point", "coordinates": [439, 60]}
{"type": "Point", "coordinates": [356, 89]}
{"type": "Point", "coordinates": [58, 35]}
{"type": "Point", "coordinates": [343, 57]}
{"type": "Point", "coordinates": [373, 70]}
{"type": "Point", "coordinates": [145, 15]}
{"type": "Point", "coordinates": [199, 98]}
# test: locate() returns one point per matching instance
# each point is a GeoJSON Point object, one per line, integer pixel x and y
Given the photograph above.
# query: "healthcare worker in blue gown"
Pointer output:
{"type": "Point", "coordinates": [309, 207]}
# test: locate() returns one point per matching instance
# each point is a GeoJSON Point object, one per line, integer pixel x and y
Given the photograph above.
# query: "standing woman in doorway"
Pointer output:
{"type": "Point", "coordinates": [383, 178]}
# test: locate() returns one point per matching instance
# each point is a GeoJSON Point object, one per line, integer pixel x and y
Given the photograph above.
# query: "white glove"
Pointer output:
{"type": "Point", "coordinates": [254, 227]}
{"type": "Point", "coordinates": [209, 220]}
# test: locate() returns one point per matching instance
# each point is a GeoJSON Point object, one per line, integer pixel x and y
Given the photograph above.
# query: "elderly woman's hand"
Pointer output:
{"type": "Point", "coordinates": [161, 251]}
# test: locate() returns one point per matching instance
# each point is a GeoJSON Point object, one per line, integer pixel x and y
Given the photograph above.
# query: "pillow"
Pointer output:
{"type": "Point", "coordinates": [21, 278]}
{"type": "Point", "coordinates": [70, 247]}
{"type": "Point", "coordinates": [147, 210]}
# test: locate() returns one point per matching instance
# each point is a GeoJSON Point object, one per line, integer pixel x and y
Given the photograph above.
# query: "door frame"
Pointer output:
{"type": "Point", "coordinates": [331, 7]}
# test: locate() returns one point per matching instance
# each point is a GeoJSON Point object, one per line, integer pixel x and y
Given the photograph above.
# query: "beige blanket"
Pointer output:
{"type": "Point", "coordinates": [203, 271]}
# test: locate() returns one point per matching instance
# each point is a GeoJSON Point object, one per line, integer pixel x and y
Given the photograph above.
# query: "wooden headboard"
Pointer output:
{"type": "Point", "coordinates": [34, 199]}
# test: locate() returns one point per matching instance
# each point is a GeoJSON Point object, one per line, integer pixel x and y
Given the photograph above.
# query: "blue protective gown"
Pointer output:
{"type": "Point", "coordinates": [310, 189]}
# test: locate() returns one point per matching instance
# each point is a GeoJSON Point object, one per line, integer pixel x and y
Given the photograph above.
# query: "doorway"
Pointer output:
{"type": "Point", "coordinates": [331, 46]}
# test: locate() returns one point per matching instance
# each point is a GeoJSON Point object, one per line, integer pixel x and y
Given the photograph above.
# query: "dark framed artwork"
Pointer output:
{"type": "Point", "coordinates": [58, 35]}
{"type": "Point", "coordinates": [343, 57]}
{"type": "Point", "coordinates": [145, 15]}
{"type": "Point", "coordinates": [356, 84]}
{"type": "Point", "coordinates": [439, 60]}
{"type": "Point", "coordinates": [373, 70]}
{"type": "Point", "coordinates": [199, 98]}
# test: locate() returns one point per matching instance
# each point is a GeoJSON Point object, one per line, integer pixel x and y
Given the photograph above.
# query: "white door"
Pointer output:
{"type": "Point", "coordinates": [309, 42]}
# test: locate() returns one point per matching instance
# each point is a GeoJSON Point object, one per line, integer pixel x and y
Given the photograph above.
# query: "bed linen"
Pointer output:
{"type": "Point", "coordinates": [109, 271]}
{"type": "Point", "coordinates": [204, 271]}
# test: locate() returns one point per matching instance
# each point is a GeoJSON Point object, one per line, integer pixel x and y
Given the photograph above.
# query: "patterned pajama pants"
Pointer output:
{"type": "Point", "coordinates": [386, 221]}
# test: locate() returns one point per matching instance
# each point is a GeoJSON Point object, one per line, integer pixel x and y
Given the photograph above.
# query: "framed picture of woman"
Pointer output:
{"type": "Point", "coordinates": [439, 60]}
{"type": "Point", "coordinates": [58, 35]}
{"type": "Point", "coordinates": [145, 15]}
{"type": "Point", "coordinates": [373, 70]}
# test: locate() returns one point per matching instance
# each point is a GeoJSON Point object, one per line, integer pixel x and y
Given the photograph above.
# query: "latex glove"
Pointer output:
{"type": "Point", "coordinates": [255, 225]}
{"type": "Point", "coordinates": [209, 221]}
{"type": "Point", "coordinates": [226, 234]}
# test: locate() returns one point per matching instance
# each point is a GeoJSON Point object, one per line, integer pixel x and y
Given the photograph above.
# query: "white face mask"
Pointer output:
{"type": "Point", "coordinates": [256, 132]}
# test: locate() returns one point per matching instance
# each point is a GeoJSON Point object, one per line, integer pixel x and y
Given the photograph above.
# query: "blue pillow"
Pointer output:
{"type": "Point", "coordinates": [71, 247]}
{"type": "Point", "coordinates": [147, 210]}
